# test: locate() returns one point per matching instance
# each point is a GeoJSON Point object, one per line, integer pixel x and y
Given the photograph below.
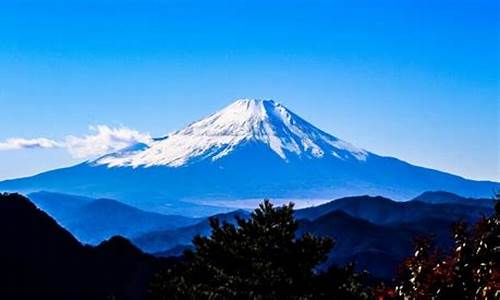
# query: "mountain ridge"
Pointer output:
{"type": "Point", "coordinates": [95, 220]}
{"type": "Point", "coordinates": [375, 232]}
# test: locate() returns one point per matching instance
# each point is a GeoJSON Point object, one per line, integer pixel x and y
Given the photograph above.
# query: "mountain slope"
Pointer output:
{"type": "Point", "coordinates": [380, 210]}
{"type": "Point", "coordinates": [41, 260]}
{"type": "Point", "coordinates": [380, 249]}
{"type": "Point", "coordinates": [446, 197]}
{"type": "Point", "coordinates": [94, 220]}
{"type": "Point", "coordinates": [251, 149]}
{"type": "Point", "coordinates": [244, 121]}
{"type": "Point", "coordinates": [161, 240]}
{"type": "Point", "coordinates": [59, 206]}
{"type": "Point", "coordinates": [361, 241]}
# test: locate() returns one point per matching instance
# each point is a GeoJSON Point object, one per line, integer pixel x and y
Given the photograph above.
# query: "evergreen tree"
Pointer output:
{"type": "Point", "coordinates": [260, 258]}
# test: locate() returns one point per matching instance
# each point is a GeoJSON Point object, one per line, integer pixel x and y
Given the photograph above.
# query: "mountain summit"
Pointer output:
{"type": "Point", "coordinates": [249, 150]}
{"type": "Point", "coordinates": [243, 122]}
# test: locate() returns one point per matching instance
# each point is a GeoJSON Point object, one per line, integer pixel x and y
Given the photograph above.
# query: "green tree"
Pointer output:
{"type": "Point", "coordinates": [260, 258]}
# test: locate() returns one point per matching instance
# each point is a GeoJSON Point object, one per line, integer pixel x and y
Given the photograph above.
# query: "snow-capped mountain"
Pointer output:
{"type": "Point", "coordinates": [250, 150]}
{"type": "Point", "coordinates": [244, 121]}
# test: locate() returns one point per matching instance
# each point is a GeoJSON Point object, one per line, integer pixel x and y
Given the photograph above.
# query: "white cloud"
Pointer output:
{"type": "Point", "coordinates": [36, 143]}
{"type": "Point", "coordinates": [102, 140]}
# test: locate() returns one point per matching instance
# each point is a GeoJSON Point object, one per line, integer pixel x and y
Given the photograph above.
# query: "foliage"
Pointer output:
{"type": "Point", "coordinates": [471, 271]}
{"type": "Point", "coordinates": [260, 258]}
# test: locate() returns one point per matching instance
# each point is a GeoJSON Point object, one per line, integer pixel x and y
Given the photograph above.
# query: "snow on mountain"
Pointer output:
{"type": "Point", "coordinates": [244, 121]}
{"type": "Point", "coordinates": [248, 151]}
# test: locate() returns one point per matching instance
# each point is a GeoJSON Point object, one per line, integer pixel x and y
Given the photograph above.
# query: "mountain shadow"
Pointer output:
{"type": "Point", "coordinates": [41, 260]}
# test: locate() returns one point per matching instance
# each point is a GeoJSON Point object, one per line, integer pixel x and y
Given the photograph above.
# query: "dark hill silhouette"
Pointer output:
{"type": "Point", "coordinates": [41, 260]}
{"type": "Point", "coordinates": [376, 248]}
{"type": "Point", "coordinates": [380, 210]}
{"type": "Point", "coordinates": [440, 197]}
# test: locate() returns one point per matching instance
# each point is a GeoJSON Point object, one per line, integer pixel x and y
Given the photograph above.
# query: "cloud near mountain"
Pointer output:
{"type": "Point", "coordinates": [102, 139]}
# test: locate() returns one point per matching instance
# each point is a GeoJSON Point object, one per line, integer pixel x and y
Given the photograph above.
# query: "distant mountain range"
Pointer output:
{"type": "Point", "coordinates": [95, 220]}
{"type": "Point", "coordinates": [380, 210]}
{"type": "Point", "coordinates": [441, 197]}
{"type": "Point", "coordinates": [375, 232]}
{"type": "Point", "coordinates": [378, 233]}
{"type": "Point", "coordinates": [251, 149]}
{"type": "Point", "coordinates": [178, 239]}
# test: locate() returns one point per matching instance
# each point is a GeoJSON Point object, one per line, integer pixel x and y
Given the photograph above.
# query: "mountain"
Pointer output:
{"type": "Point", "coordinates": [378, 233]}
{"type": "Point", "coordinates": [174, 241]}
{"type": "Point", "coordinates": [252, 149]}
{"type": "Point", "coordinates": [95, 220]}
{"type": "Point", "coordinates": [375, 232]}
{"type": "Point", "coordinates": [380, 210]}
{"type": "Point", "coordinates": [446, 197]}
{"type": "Point", "coordinates": [246, 121]}
{"type": "Point", "coordinates": [59, 205]}
{"type": "Point", "coordinates": [41, 260]}
{"type": "Point", "coordinates": [379, 249]}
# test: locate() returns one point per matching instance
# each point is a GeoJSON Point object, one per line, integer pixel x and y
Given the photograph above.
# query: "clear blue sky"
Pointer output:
{"type": "Point", "coordinates": [418, 80]}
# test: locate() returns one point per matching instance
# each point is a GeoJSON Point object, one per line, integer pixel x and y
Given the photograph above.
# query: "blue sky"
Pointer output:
{"type": "Point", "coordinates": [419, 80]}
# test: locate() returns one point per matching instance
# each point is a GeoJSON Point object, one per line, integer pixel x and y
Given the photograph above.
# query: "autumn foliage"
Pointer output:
{"type": "Point", "coordinates": [470, 271]}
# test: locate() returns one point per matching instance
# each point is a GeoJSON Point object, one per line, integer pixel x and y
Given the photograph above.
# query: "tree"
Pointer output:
{"type": "Point", "coordinates": [470, 271]}
{"type": "Point", "coordinates": [260, 258]}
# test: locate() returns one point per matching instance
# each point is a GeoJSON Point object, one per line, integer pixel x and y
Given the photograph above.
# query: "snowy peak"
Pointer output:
{"type": "Point", "coordinates": [247, 109]}
{"type": "Point", "coordinates": [241, 118]}
{"type": "Point", "coordinates": [244, 121]}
